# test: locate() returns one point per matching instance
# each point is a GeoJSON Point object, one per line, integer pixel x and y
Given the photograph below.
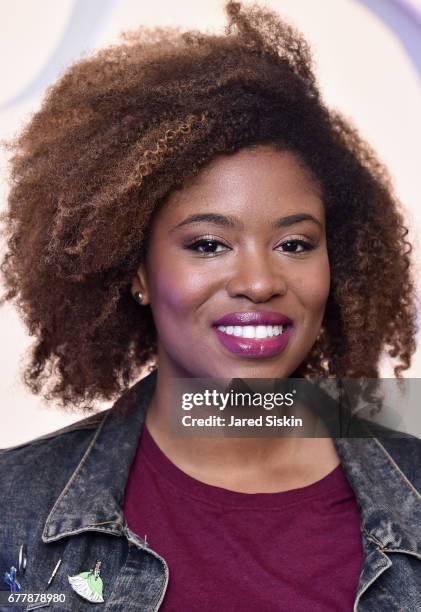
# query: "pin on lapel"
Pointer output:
{"type": "Point", "coordinates": [89, 585]}
{"type": "Point", "coordinates": [11, 580]}
{"type": "Point", "coordinates": [57, 565]}
{"type": "Point", "coordinates": [13, 576]}
{"type": "Point", "coordinates": [22, 561]}
{"type": "Point", "coordinates": [36, 606]}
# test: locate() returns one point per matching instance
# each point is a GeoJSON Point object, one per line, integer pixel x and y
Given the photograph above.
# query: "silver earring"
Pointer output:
{"type": "Point", "coordinates": [138, 296]}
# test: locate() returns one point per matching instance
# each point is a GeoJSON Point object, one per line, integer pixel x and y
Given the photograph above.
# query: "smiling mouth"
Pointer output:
{"type": "Point", "coordinates": [254, 340]}
{"type": "Point", "coordinates": [259, 332]}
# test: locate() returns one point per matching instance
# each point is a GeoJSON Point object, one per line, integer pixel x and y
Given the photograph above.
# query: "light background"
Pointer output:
{"type": "Point", "coordinates": [368, 60]}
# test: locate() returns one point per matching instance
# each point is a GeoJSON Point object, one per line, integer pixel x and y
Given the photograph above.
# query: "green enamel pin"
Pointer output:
{"type": "Point", "coordinates": [89, 585]}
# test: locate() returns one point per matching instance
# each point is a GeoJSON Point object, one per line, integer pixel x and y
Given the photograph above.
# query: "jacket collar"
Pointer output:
{"type": "Point", "coordinates": [390, 505]}
{"type": "Point", "coordinates": [93, 497]}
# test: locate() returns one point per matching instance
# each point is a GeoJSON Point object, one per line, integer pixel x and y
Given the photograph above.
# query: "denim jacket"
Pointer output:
{"type": "Point", "coordinates": [62, 494]}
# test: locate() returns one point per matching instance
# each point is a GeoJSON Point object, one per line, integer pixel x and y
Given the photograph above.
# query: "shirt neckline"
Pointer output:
{"type": "Point", "coordinates": [335, 482]}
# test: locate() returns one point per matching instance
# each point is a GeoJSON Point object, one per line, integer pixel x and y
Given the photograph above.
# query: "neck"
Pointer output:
{"type": "Point", "coordinates": [264, 464]}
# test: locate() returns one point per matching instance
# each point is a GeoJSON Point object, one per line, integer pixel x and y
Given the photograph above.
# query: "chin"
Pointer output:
{"type": "Point", "coordinates": [252, 370]}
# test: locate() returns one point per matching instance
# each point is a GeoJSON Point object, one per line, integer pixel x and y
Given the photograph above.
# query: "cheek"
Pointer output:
{"type": "Point", "coordinates": [312, 287]}
{"type": "Point", "coordinates": [176, 288]}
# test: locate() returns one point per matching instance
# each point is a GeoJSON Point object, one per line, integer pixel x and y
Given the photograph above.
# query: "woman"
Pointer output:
{"type": "Point", "coordinates": [175, 196]}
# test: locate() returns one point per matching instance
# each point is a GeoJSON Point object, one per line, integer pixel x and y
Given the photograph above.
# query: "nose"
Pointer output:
{"type": "Point", "coordinates": [257, 276]}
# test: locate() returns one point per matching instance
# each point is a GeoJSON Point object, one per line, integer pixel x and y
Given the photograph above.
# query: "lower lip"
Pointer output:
{"type": "Point", "coordinates": [255, 347]}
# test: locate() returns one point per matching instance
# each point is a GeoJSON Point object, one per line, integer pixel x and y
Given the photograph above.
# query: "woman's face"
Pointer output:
{"type": "Point", "coordinates": [237, 253]}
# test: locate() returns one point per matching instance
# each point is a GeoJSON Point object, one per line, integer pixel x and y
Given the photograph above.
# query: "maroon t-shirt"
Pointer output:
{"type": "Point", "coordinates": [297, 550]}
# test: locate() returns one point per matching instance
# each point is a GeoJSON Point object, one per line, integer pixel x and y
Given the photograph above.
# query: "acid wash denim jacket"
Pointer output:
{"type": "Point", "coordinates": [61, 497]}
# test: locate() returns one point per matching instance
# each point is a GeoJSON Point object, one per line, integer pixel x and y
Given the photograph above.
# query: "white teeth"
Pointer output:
{"type": "Point", "coordinates": [249, 331]}
{"type": "Point", "coordinates": [261, 331]}
{"type": "Point", "coordinates": [252, 331]}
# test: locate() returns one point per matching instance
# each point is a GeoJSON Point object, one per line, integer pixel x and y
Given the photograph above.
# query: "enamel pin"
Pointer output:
{"type": "Point", "coordinates": [88, 584]}
{"type": "Point", "coordinates": [22, 561]}
{"type": "Point", "coordinates": [11, 580]}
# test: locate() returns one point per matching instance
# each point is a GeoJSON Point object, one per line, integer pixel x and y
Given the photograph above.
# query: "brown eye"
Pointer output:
{"type": "Point", "coordinates": [291, 248]}
{"type": "Point", "coordinates": [206, 246]}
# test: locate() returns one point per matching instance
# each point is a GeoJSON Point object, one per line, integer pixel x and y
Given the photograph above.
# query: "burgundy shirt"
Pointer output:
{"type": "Point", "coordinates": [295, 550]}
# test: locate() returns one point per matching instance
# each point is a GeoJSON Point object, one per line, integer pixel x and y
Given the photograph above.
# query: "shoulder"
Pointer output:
{"type": "Point", "coordinates": [403, 450]}
{"type": "Point", "coordinates": [405, 453]}
{"type": "Point", "coordinates": [49, 458]}
{"type": "Point", "coordinates": [52, 458]}
{"type": "Point", "coordinates": [88, 423]}
{"type": "Point", "coordinates": [54, 439]}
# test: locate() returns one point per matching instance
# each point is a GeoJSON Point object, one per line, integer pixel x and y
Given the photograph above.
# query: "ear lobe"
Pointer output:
{"type": "Point", "coordinates": [140, 283]}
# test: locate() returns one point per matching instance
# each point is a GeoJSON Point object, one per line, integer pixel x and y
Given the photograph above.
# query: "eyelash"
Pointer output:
{"type": "Point", "coordinates": [307, 246]}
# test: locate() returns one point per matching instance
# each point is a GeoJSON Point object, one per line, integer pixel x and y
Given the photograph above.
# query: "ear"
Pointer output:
{"type": "Point", "coordinates": [140, 283]}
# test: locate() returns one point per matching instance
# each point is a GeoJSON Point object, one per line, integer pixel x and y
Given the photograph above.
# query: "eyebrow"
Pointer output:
{"type": "Point", "coordinates": [229, 221]}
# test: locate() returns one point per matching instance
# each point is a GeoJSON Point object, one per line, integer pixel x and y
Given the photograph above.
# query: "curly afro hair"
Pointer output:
{"type": "Point", "coordinates": [125, 127]}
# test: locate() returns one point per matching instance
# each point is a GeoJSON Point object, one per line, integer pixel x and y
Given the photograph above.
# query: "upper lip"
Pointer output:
{"type": "Point", "coordinates": [255, 317]}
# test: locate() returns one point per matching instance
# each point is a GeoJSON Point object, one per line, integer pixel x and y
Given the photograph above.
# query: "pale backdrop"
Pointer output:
{"type": "Point", "coordinates": [367, 55]}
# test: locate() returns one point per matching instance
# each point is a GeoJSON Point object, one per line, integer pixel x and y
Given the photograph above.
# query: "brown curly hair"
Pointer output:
{"type": "Point", "coordinates": [125, 127]}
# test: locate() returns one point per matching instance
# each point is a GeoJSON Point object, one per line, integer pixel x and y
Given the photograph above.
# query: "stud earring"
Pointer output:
{"type": "Point", "coordinates": [138, 296]}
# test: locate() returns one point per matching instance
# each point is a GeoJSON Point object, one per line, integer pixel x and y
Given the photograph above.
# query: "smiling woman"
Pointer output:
{"type": "Point", "coordinates": [187, 201]}
{"type": "Point", "coordinates": [268, 269]}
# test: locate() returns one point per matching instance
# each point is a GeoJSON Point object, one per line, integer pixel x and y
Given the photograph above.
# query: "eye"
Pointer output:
{"type": "Point", "coordinates": [291, 246]}
{"type": "Point", "coordinates": [205, 246]}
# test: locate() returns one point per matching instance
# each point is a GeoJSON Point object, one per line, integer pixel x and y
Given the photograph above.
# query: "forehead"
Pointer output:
{"type": "Point", "coordinates": [256, 183]}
